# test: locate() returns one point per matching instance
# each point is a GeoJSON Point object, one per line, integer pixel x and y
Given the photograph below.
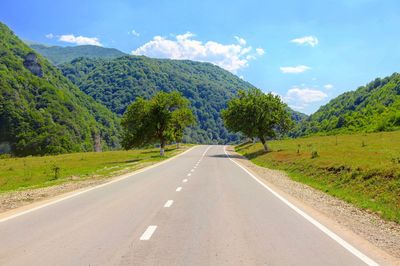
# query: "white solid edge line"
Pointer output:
{"type": "Point", "coordinates": [149, 232]}
{"type": "Point", "coordinates": [178, 189]}
{"type": "Point", "coordinates": [324, 229]}
{"type": "Point", "coordinates": [168, 203]}
{"type": "Point", "coordinates": [93, 188]}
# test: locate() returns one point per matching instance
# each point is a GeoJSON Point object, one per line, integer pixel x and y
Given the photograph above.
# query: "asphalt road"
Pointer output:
{"type": "Point", "coordinates": [198, 209]}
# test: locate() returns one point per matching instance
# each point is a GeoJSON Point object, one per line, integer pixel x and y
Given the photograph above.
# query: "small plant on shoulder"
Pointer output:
{"type": "Point", "coordinates": [298, 149]}
{"type": "Point", "coordinates": [314, 155]}
{"type": "Point", "coordinates": [363, 144]}
{"type": "Point", "coordinates": [56, 170]}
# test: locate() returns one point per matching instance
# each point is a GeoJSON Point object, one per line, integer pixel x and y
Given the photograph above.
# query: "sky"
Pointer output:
{"type": "Point", "coordinates": [308, 52]}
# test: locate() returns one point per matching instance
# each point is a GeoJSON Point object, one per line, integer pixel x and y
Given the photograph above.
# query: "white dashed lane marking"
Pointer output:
{"type": "Point", "coordinates": [168, 203]}
{"type": "Point", "coordinates": [178, 189]}
{"type": "Point", "coordinates": [149, 232]}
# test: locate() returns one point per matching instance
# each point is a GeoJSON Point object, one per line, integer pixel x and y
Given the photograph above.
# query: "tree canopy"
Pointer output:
{"type": "Point", "coordinates": [256, 114]}
{"type": "Point", "coordinates": [160, 119]}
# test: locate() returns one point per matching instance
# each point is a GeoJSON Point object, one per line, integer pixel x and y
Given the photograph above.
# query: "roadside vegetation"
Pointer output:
{"type": "Point", "coordinates": [363, 169]}
{"type": "Point", "coordinates": [35, 172]}
{"type": "Point", "coordinates": [161, 119]}
{"type": "Point", "coordinates": [255, 114]}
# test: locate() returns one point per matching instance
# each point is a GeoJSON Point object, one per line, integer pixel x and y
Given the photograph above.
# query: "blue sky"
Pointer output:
{"type": "Point", "coordinates": [306, 51]}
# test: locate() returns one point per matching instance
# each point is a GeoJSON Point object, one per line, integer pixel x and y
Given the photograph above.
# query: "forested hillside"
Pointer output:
{"type": "Point", "coordinates": [374, 107]}
{"type": "Point", "coordinates": [117, 82]}
{"type": "Point", "coordinates": [41, 111]}
{"type": "Point", "coordinates": [58, 55]}
{"type": "Point", "coordinates": [296, 116]}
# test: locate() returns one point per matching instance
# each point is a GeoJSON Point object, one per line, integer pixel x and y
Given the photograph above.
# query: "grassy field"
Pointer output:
{"type": "Point", "coordinates": [31, 172]}
{"type": "Point", "coordinates": [363, 169]}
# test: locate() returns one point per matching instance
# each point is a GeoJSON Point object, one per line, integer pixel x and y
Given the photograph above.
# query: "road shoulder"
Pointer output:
{"type": "Point", "coordinates": [378, 238]}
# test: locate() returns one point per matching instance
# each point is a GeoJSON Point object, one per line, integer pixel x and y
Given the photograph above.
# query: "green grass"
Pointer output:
{"type": "Point", "coordinates": [363, 169]}
{"type": "Point", "coordinates": [33, 172]}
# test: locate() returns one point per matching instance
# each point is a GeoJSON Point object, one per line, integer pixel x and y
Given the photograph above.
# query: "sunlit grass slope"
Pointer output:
{"type": "Point", "coordinates": [28, 172]}
{"type": "Point", "coordinates": [363, 169]}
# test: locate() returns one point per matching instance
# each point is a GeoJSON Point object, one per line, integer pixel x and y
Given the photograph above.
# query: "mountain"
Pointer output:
{"type": "Point", "coordinates": [41, 111]}
{"type": "Point", "coordinates": [58, 55]}
{"type": "Point", "coordinates": [374, 107]}
{"type": "Point", "coordinates": [117, 82]}
{"type": "Point", "coordinates": [296, 116]}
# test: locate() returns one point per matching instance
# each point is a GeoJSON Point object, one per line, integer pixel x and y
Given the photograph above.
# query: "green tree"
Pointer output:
{"type": "Point", "coordinates": [149, 121]}
{"type": "Point", "coordinates": [256, 114]}
{"type": "Point", "coordinates": [180, 120]}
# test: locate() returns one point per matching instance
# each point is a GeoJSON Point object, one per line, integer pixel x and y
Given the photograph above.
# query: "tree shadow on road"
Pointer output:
{"type": "Point", "coordinates": [234, 156]}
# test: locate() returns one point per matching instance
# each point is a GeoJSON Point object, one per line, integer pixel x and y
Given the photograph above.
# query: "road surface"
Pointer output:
{"type": "Point", "coordinates": [200, 208]}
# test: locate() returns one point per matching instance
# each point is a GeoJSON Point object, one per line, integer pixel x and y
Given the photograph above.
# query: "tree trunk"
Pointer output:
{"type": "Point", "coordinates": [97, 143]}
{"type": "Point", "coordinates": [264, 143]}
{"type": "Point", "coordinates": [162, 148]}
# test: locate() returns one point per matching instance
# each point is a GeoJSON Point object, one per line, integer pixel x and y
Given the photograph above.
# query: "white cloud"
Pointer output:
{"type": "Point", "coordinates": [295, 69]}
{"type": "Point", "coordinates": [306, 95]}
{"type": "Point", "coordinates": [306, 40]}
{"type": "Point", "coordinates": [241, 41]}
{"type": "Point", "coordinates": [260, 51]}
{"type": "Point", "coordinates": [300, 98]}
{"type": "Point", "coordinates": [135, 33]}
{"type": "Point", "coordinates": [231, 57]}
{"type": "Point", "coordinates": [328, 86]}
{"type": "Point", "coordinates": [250, 57]}
{"type": "Point", "coordinates": [79, 40]}
{"type": "Point", "coordinates": [49, 36]}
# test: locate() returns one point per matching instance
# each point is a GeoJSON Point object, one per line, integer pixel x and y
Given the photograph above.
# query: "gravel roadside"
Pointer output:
{"type": "Point", "coordinates": [369, 226]}
{"type": "Point", "coordinates": [17, 199]}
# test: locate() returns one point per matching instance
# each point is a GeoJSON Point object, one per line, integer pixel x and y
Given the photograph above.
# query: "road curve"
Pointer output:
{"type": "Point", "coordinates": [198, 209]}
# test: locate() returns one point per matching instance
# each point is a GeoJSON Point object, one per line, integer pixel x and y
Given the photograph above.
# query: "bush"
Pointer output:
{"type": "Point", "coordinates": [314, 155]}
